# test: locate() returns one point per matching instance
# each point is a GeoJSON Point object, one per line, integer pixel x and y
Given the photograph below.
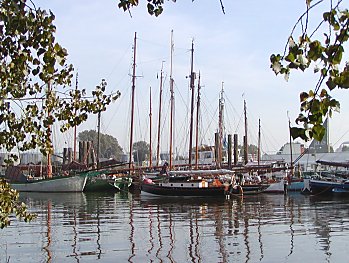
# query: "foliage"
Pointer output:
{"type": "Point", "coordinates": [108, 145]}
{"type": "Point", "coordinates": [251, 149]}
{"type": "Point", "coordinates": [35, 92]}
{"type": "Point", "coordinates": [327, 58]}
{"type": "Point", "coordinates": [9, 204]}
{"type": "Point", "coordinates": [35, 80]}
{"type": "Point", "coordinates": [154, 6]}
{"type": "Point", "coordinates": [140, 151]}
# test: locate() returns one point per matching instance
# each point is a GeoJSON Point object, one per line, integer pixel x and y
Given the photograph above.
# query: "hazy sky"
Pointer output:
{"type": "Point", "coordinates": [231, 48]}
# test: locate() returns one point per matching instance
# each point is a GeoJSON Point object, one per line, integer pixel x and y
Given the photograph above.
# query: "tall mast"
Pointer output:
{"type": "Point", "coordinates": [133, 99]}
{"type": "Point", "coordinates": [291, 161]}
{"type": "Point", "coordinates": [76, 87]}
{"type": "Point", "coordinates": [49, 163]}
{"type": "Point", "coordinates": [197, 126]}
{"type": "Point", "coordinates": [245, 139]}
{"type": "Point", "coordinates": [220, 126]}
{"type": "Point", "coordinates": [259, 142]}
{"type": "Point", "coordinates": [150, 128]}
{"type": "Point", "coordinates": [172, 104]}
{"type": "Point", "coordinates": [192, 76]}
{"type": "Point", "coordinates": [159, 120]}
{"type": "Point", "coordinates": [98, 136]}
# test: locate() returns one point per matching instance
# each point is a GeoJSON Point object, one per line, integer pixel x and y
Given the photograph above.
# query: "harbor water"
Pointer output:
{"type": "Point", "coordinates": [125, 227]}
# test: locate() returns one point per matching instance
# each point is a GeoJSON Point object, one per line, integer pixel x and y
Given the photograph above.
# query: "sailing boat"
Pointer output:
{"type": "Point", "coordinates": [26, 183]}
{"type": "Point", "coordinates": [55, 184]}
{"type": "Point", "coordinates": [101, 180]}
{"type": "Point", "coordinates": [195, 182]}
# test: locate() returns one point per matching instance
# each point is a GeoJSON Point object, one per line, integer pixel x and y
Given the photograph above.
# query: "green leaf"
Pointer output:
{"type": "Point", "coordinates": [330, 84]}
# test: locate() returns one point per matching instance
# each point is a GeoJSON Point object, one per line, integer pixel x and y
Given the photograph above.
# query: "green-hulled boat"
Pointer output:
{"type": "Point", "coordinates": [99, 181]}
{"type": "Point", "coordinates": [103, 181]}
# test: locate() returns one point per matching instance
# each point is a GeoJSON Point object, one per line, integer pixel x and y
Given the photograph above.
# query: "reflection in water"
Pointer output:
{"type": "Point", "coordinates": [289, 205]}
{"type": "Point", "coordinates": [264, 228]}
{"type": "Point", "coordinates": [132, 231]}
{"type": "Point", "coordinates": [151, 237]}
{"type": "Point", "coordinates": [197, 244]}
{"type": "Point", "coordinates": [75, 254]}
{"type": "Point", "coordinates": [248, 250]}
{"type": "Point", "coordinates": [98, 233]}
{"type": "Point", "coordinates": [172, 240]}
{"type": "Point", "coordinates": [192, 238]}
{"type": "Point", "coordinates": [159, 235]}
{"type": "Point", "coordinates": [48, 234]}
{"type": "Point", "coordinates": [259, 229]}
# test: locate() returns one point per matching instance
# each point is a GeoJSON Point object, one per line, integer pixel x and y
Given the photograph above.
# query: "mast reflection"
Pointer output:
{"type": "Point", "coordinates": [48, 233]}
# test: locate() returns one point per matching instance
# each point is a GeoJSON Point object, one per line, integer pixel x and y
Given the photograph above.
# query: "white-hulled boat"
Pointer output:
{"type": "Point", "coordinates": [55, 184]}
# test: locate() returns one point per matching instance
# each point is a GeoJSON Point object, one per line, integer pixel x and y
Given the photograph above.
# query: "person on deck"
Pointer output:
{"type": "Point", "coordinates": [164, 169]}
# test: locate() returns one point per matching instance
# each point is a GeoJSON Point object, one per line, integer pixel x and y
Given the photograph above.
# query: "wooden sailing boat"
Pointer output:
{"type": "Point", "coordinates": [196, 182]}
{"type": "Point", "coordinates": [25, 183]}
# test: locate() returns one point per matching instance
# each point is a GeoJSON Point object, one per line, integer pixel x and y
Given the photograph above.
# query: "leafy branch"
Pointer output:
{"type": "Point", "coordinates": [155, 7]}
{"type": "Point", "coordinates": [9, 204]}
{"type": "Point", "coordinates": [327, 57]}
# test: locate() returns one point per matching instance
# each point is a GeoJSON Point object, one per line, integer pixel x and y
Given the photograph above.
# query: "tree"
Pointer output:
{"type": "Point", "coordinates": [9, 204]}
{"type": "Point", "coordinates": [252, 149]}
{"type": "Point", "coordinates": [326, 57]}
{"type": "Point", "coordinates": [35, 90]}
{"type": "Point", "coordinates": [108, 145]}
{"type": "Point", "coordinates": [140, 151]}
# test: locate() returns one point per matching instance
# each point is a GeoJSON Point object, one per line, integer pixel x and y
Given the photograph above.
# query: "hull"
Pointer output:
{"type": "Point", "coordinates": [325, 187]}
{"type": "Point", "coordinates": [215, 191]}
{"type": "Point", "coordinates": [279, 187]}
{"type": "Point", "coordinates": [181, 191]}
{"type": "Point", "coordinates": [99, 185]}
{"type": "Point", "coordinates": [54, 185]}
{"type": "Point", "coordinates": [251, 189]}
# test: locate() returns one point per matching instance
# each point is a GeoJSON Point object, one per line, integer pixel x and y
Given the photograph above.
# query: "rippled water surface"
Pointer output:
{"type": "Point", "coordinates": [132, 228]}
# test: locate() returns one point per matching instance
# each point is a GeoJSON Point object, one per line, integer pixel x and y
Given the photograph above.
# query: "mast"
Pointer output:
{"type": "Point", "coordinates": [245, 139]}
{"type": "Point", "coordinates": [98, 136]}
{"type": "Point", "coordinates": [49, 162]}
{"type": "Point", "coordinates": [259, 141]}
{"type": "Point", "coordinates": [133, 99]}
{"type": "Point", "coordinates": [150, 128]}
{"type": "Point", "coordinates": [159, 120]}
{"type": "Point", "coordinates": [76, 87]}
{"type": "Point", "coordinates": [291, 161]}
{"type": "Point", "coordinates": [192, 76]}
{"type": "Point", "coordinates": [197, 126]}
{"type": "Point", "coordinates": [172, 104]}
{"type": "Point", "coordinates": [220, 126]}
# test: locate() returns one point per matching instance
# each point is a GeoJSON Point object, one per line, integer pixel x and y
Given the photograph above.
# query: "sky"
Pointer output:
{"type": "Point", "coordinates": [231, 50]}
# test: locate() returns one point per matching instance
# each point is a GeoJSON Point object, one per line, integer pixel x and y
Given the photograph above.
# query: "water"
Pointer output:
{"type": "Point", "coordinates": [131, 228]}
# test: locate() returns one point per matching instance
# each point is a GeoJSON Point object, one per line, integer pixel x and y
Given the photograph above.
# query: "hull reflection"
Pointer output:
{"type": "Point", "coordinates": [123, 227]}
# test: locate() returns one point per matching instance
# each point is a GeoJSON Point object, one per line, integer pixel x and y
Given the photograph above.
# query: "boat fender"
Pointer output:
{"type": "Point", "coordinates": [148, 181]}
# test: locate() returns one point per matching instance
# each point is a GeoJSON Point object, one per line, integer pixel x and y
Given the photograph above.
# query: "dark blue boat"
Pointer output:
{"type": "Point", "coordinates": [198, 188]}
{"type": "Point", "coordinates": [329, 187]}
